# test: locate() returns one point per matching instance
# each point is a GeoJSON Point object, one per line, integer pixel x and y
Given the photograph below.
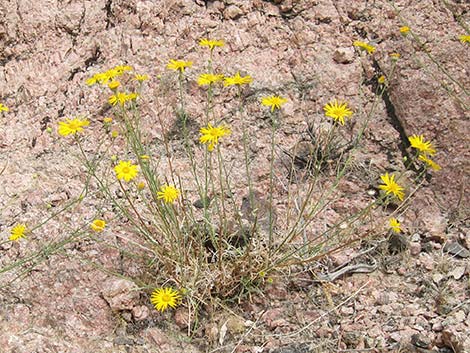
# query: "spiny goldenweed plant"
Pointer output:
{"type": "Point", "coordinates": [206, 237]}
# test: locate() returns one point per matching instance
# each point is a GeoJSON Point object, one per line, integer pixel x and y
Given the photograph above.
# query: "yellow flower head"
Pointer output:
{"type": "Point", "coordinates": [418, 142]}
{"type": "Point", "coordinates": [141, 185]}
{"type": "Point", "coordinates": [179, 65]}
{"type": "Point", "coordinates": [237, 80]}
{"type": "Point", "coordinates": [395, 56]}
{"type": "Point", "coordinates": [211, 135]}
{"type": "Point", "coordinates": [404, 30]}
{"type": "Point", "coordinates": [391, 187]}
{"type": "Point", "coordinates": [168, 193]}
{"type": "Point", "coordinates": [211, 43]}
{"type": "Point", "coordinates": [364, 46]}
{"type": "Point", "coordinates": [337, 111]}
{"type": "Point", "coordinates": [97, 78]}
{"type": "Point", "coordinates": [107, 120]}
{"type": "Point", "coordinates": [141, 78]}
{"type": "Point", "coordinates": [121, 98]}
{"type": "Point", "coordinates": [103, 78]}
{"type": "Point", "coordinates": [381, 79]}
{"type": "Point", "coordinates": [113, 84]}
{"type": "Point", "coordinates": [275, 102]}
{"type": "Point", "coordinates": [98, 225]}
{"type": "Point", "coordinates": [394, 225]}
{"type": "Point", "coordinates": [429, 162]}
{"type": "Point", "coordinates": [464, 39]}
{"type": "Point", "coordinates": [17, 232]}
{"type": "Point", "coordinates": [120, 69]}
{"type": "Point", "coordinates": [72, 126]}
{"type": "Point", "coordinates": [162, 298]}
{"type": "Point", "coordinates": [3, 108]}
{"type": "Point", "coordinates": [209, 79]}
{"type": "Point", "coordinates": [126, 170]}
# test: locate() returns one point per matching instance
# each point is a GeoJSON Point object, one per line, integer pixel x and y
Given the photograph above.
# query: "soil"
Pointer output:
{"type": "Point", "coordinates": [80, 296]}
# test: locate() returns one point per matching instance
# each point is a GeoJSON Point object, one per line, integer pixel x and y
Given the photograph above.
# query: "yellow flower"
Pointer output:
{"type": "Point", "coordinates": [141, 185]}
{"type": "Point", "coordinates": [394, 225]}
{"type": "Point", "coordinates": [429, 162]}
{"type": "Point", "coordinates": [168, 193]}
{"type": "Point", "coordinates": [114, 84]}
{"type": "Point", "coordinates": [121, 98]}
{"type": "Point", "coordinates": [107, 76]}
{"type": "Point", "coordinates": [3, 108]}
{"type": "Point", "coordinates": [114, 133]}
{"type": "Point", "coordinates": [211, 135]}
{"type": "Point", "coordinates": [104, 77]}
{"type": "Point", "coordinates": [404, 30]}
{"type": "Point", "coordinates": [208, 79]}
{"type": "Point", "coordinates": [72, 126]}
{"type": "Point", "coordinates": [418, 142]}
{"type": "Point", "coordinates": [120, 69]}
{"type": "Point", "coordinates": [144, 157]}
{"type": "Point", "coordinates": [391, 187]}
{"type": "Point", "coordinates": [237, 80]}
{"type": "Point", "coordinates": [274, 102]}
{"type": "Point", "coordinates": [17, 232]}
{"type": "Point", "coordinates": [91, 81]}
{"type": "Point", "coordinates": [464, 39]}
{"type": "Point", "coordinates": [107, 120]}
{"type": "Point", "coordinates": [364, 46]}
{"type": "Point", "coordinates": [99, 77]}
{"type": "Point", "coordinates": [162, 298]}
{"type": "Point", "coordinates": [98, 225]}
{"type": "Point", "coordinates": [179, 65]}
{"type": "Point", "coordinates": [395, 56]}
{"type": "Point", "coordinates": [141, 78]}
{"type": "Point", "coordinates": [126, 170]}
{"type": "Point", "coordinates": [381, 79]}
{"type": "Point", "coordinates": [211, 43]}
{"type": "Point", "coordinates": [337, 111]}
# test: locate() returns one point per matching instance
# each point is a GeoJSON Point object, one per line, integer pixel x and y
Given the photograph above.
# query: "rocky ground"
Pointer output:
{"type": "Point", "coordinates": [417, 299]}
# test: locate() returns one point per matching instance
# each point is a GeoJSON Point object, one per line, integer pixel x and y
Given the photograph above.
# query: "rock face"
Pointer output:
{"type": "Point", "coordinates": [302, 49]}
{"type": "Point", "coordinates": [47, 51]}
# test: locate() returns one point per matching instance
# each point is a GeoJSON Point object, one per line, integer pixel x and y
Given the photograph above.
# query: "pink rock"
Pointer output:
{"type": "Point", "coordinates": [277, 291]}
{"type": "Point", "coordinates": [181, 317]}
{"type": "Point", "coordinates": [140, 312]}
{"type": "Point", "coordinates": [156, 336]}
{"type": "Point", "coordinates": [346, 310]}
{"type": "Point", "coordinates": [120, 294]}
{"type": "Point", "coordinates": [232, 12]}
{"type": "Point", "coordinates": [344, 55]}
{"type": "Point", "coordinates": [273, 318]}
{"type": "Point", "coordinates": [415, 248]}
{"type": "Point", "coordinates": [427, 261]}
{"type": "Point", "coordinates": [437, 327]}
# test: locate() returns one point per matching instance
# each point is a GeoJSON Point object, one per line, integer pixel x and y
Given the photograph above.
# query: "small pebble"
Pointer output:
{"type": "Point", "coordinates": [437, 327]}
{"type": "Point", "coordinates": [415, 248]}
